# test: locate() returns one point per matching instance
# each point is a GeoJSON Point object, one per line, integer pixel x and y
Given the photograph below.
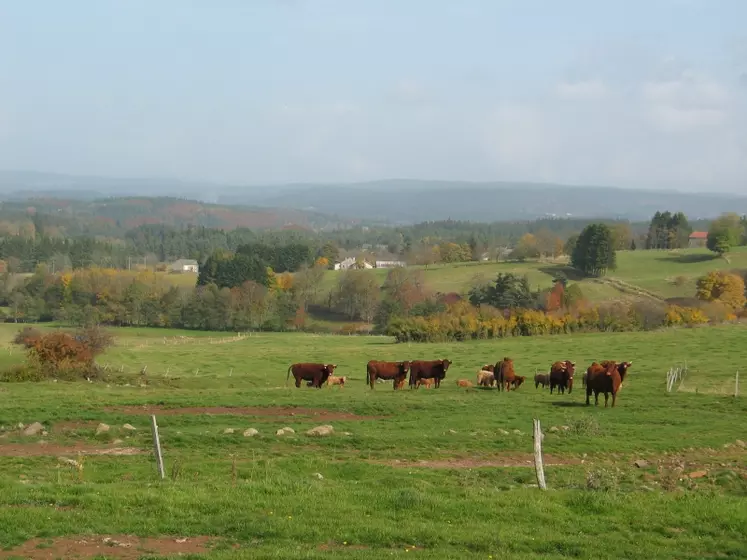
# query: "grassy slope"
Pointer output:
{"type": "Point", "coordinates": [278, 508]}
{"type": "Point", "coordinates": [654, 271]}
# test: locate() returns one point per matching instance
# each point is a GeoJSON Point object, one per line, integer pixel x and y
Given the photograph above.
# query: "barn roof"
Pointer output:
{"type": "Point", "coordinates": [699, 235]}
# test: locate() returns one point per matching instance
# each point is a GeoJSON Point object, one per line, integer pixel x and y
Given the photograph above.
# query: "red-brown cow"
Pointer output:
{"type": "Point", "coordinates": [315, 374]}
{"type": "Point", "coordinates": [433, 369]}
{"type": "Point", "coordinates": [505, 374]}
{"type": "Point", "coordinates": [606, 378]}
{"type": "Point", "coordinates": [394, 371]}
{"type": "Point", "coordinates": [561, 376]}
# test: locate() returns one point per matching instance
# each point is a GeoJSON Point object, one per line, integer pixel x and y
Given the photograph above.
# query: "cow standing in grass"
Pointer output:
{"type": "Point", "coordinates": [561, 376]}
{"type": "Point", "coordinates": [315, 374]}
{"type": "Point", "coordinates": [505, 376]}
{"type": "Point", "coordinates": [389, 371]}
{"type": "Point", "coordinates": [432, 369]}
{"type": "Point", "coordinates": [606, 378]}
{"type": "Point", "coordinates": [541, 379]}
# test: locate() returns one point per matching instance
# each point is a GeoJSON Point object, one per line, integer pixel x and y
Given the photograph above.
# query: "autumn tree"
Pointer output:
{"type": "Point", "coordinates": [526, 248]}
{"type": "Point", "coordinates": [358, 294]}
{"type": "Point", "coordinates": [594, 253]}
{"type": "Point", "coordinates": [622, 236]}
{"type": "Point", "coordinates": [307, 282]}
{"type": "Point", "coordinates": [723, 287]}
{"type": "Point", "coordinates": [724, 233]}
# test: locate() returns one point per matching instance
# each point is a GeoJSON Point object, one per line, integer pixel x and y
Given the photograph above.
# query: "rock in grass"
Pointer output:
{"type": "Point", "coordinates": [129, 427]}
{"type": "Point", "coordinates": [251, 432]}
{"type": "Point", "coordinates": [228, 431]}
{"type": "Point", "coordinates": [740, 443]}
{"type": "Point", "coordinates": [34, 429]}
{"type": "Point", "coordinates": [102, 429]}
{"type": "Point", "coordinates": [641, 464]}
{"type": "Point", "coordinates": [554, 429]}
{"type": "Point", "coordinates": [325, 430]}
{"type": "Point", "coordinates": [284, 431]}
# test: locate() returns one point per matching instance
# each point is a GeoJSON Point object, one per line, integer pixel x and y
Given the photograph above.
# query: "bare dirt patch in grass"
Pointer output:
{"type": "Point", "coordinates": [113, 546]}
{"type": "Point", "coordinates": [513, 460]}
{"type": "Point", "coordinates": [299, 414]}
{"type": "Point", "coordinates": [43, 449]}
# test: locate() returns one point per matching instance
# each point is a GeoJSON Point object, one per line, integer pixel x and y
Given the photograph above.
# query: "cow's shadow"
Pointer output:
{"type": "Point", "coordinates": [568, 404]}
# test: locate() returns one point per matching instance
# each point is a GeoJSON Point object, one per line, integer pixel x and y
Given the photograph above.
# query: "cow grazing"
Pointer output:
{"type": "Point", "coordinates": [315, 374]}
{"type": "Point", "coordinates": [433, 369]}
{"type": "Point", "coordinates": [606, 378]}
{"type": "Point", "coordinates": [399, 384]}
{"type": "Point", "coordinates": [428, 383]}
{"type": "Point", "coordinates": [561, 376]}
{"type": "Point", "coordinates": [485, 378]}
{"type": "Point", "coordinates": [464, 383]}
{"type": "Point", "coordinates": [541, 379]}
{"type": "Point", "coordinates": [389, 371]}
{"type": "Point", "coordinates": [335, 380]}
{"type": "Point", "coordinates": [505, 374]}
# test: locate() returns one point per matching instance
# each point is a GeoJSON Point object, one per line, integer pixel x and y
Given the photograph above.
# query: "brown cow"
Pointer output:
{"type": "Point", "coordinates": [561, 376]}
{"type": "Point", "coordinates": [398, 384]}
{"type": "Point", "coordinates": [518, 380]}
{"type": "Point", "coordinates": [395, 371]}
{"type": "Point", "coordinates": [485, 378]}
{"type": "Point", "coordinates": [464, 383]}
{"type": "Point", "coordinates": [606, 378]}
{"type": "Point", "coordinates": [541, 379]}
{"type": "Point", "coordinates": [433, 369]}
{"type": "Point", "coordinates": [504, 374]}
{"type": "Point", "coordinates": [315, 374]}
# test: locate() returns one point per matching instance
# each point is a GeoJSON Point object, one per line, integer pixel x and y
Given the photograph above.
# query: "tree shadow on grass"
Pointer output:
{"type": "Point", "coordinates": [568, 271]}
{"type": "Point", "coordinates": [688, 258]}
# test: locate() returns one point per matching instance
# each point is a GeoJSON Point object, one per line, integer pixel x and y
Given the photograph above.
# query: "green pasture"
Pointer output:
{"type": "Point", "coordinates": [445, 471]}
{"type": "Point", "coordinates": [665, 274]}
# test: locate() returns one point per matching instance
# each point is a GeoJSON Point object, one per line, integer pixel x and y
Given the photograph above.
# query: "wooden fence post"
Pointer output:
{"type": "Point", "coordinates": [538, 455]}
{"type": "Point", "coordinates": [157, 446]}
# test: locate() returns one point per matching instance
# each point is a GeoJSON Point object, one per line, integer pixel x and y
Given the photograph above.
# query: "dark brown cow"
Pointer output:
{"type": "Point", "coordinates": [315, 374]}
{"type": "Point", "coordinates": [541, 379]}
{"type": "Point", "coordinates": [606, 378]}
{"type": "Point", "coordinates": [433, 369]}
{"type": "Point", "coordinates": [561, 376]}
{"type": "Point", "coordinates": [518, 380]}
{"type": "Point", "coordinates": [391, 371]}
{"type": "Point", "coordinates": [505, 374]}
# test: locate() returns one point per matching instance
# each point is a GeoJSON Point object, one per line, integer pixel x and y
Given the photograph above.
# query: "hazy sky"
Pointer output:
{"type": "Point", "coordinates": [648, 93]}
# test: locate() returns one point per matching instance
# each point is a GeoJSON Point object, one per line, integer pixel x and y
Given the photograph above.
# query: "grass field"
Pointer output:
{"type": "Point", "coordinates": [653, 271]}
{"type": "Point", "coordinates": [427, 474]}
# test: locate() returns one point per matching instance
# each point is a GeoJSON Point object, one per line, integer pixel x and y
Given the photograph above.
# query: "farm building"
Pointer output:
{"type": "Point", "coordinates": [349, 263]}
{"type": "Point", "coordinates": [697, 239]}
{"type": "Point", "coordinates": [185, 265]}
{"type": "Point", "coordinates": [390, 264]}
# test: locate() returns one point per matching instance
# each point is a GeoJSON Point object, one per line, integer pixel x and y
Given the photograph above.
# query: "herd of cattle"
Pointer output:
{"type": "Point", "coordinates": [605, 377]}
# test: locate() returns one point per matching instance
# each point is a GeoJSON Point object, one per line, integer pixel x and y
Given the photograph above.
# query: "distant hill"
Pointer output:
{"type": "Point", "coordinates": [396, 201]}
{"type": "Point", "coordinates": [410, 201]}
{"type": "Point", "coordinates": [114, 216]}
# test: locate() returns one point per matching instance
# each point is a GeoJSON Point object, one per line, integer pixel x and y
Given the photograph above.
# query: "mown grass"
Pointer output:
{"type": "Point", "coordinates": [275, 506]}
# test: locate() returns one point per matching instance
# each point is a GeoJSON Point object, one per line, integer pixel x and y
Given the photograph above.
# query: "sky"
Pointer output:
{"type": "Point", "coordinates": [628, 93]}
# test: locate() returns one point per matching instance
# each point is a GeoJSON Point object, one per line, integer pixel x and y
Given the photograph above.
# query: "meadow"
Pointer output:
{"type": "Point", "coordinates": [422, 473]}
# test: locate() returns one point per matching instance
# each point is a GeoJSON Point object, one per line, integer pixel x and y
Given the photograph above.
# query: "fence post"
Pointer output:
{"type": "Point", "coordinates": [538, 455]}
{"type": "Point", "coordinates": [157, 445]}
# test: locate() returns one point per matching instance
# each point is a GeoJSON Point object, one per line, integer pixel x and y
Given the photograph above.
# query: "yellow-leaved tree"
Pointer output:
{"type": "Point", "coordinates": [723, 287]}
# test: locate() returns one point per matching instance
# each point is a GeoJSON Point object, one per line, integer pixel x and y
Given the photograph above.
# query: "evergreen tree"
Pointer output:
{"type": "Point", "coordinates": [594, 253]}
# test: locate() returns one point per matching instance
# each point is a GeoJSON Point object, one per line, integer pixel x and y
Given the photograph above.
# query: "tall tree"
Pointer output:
{"type": "Point", "coordinates": [725, 232]}
{"type": "Point", "coordinates": [594, 253]}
